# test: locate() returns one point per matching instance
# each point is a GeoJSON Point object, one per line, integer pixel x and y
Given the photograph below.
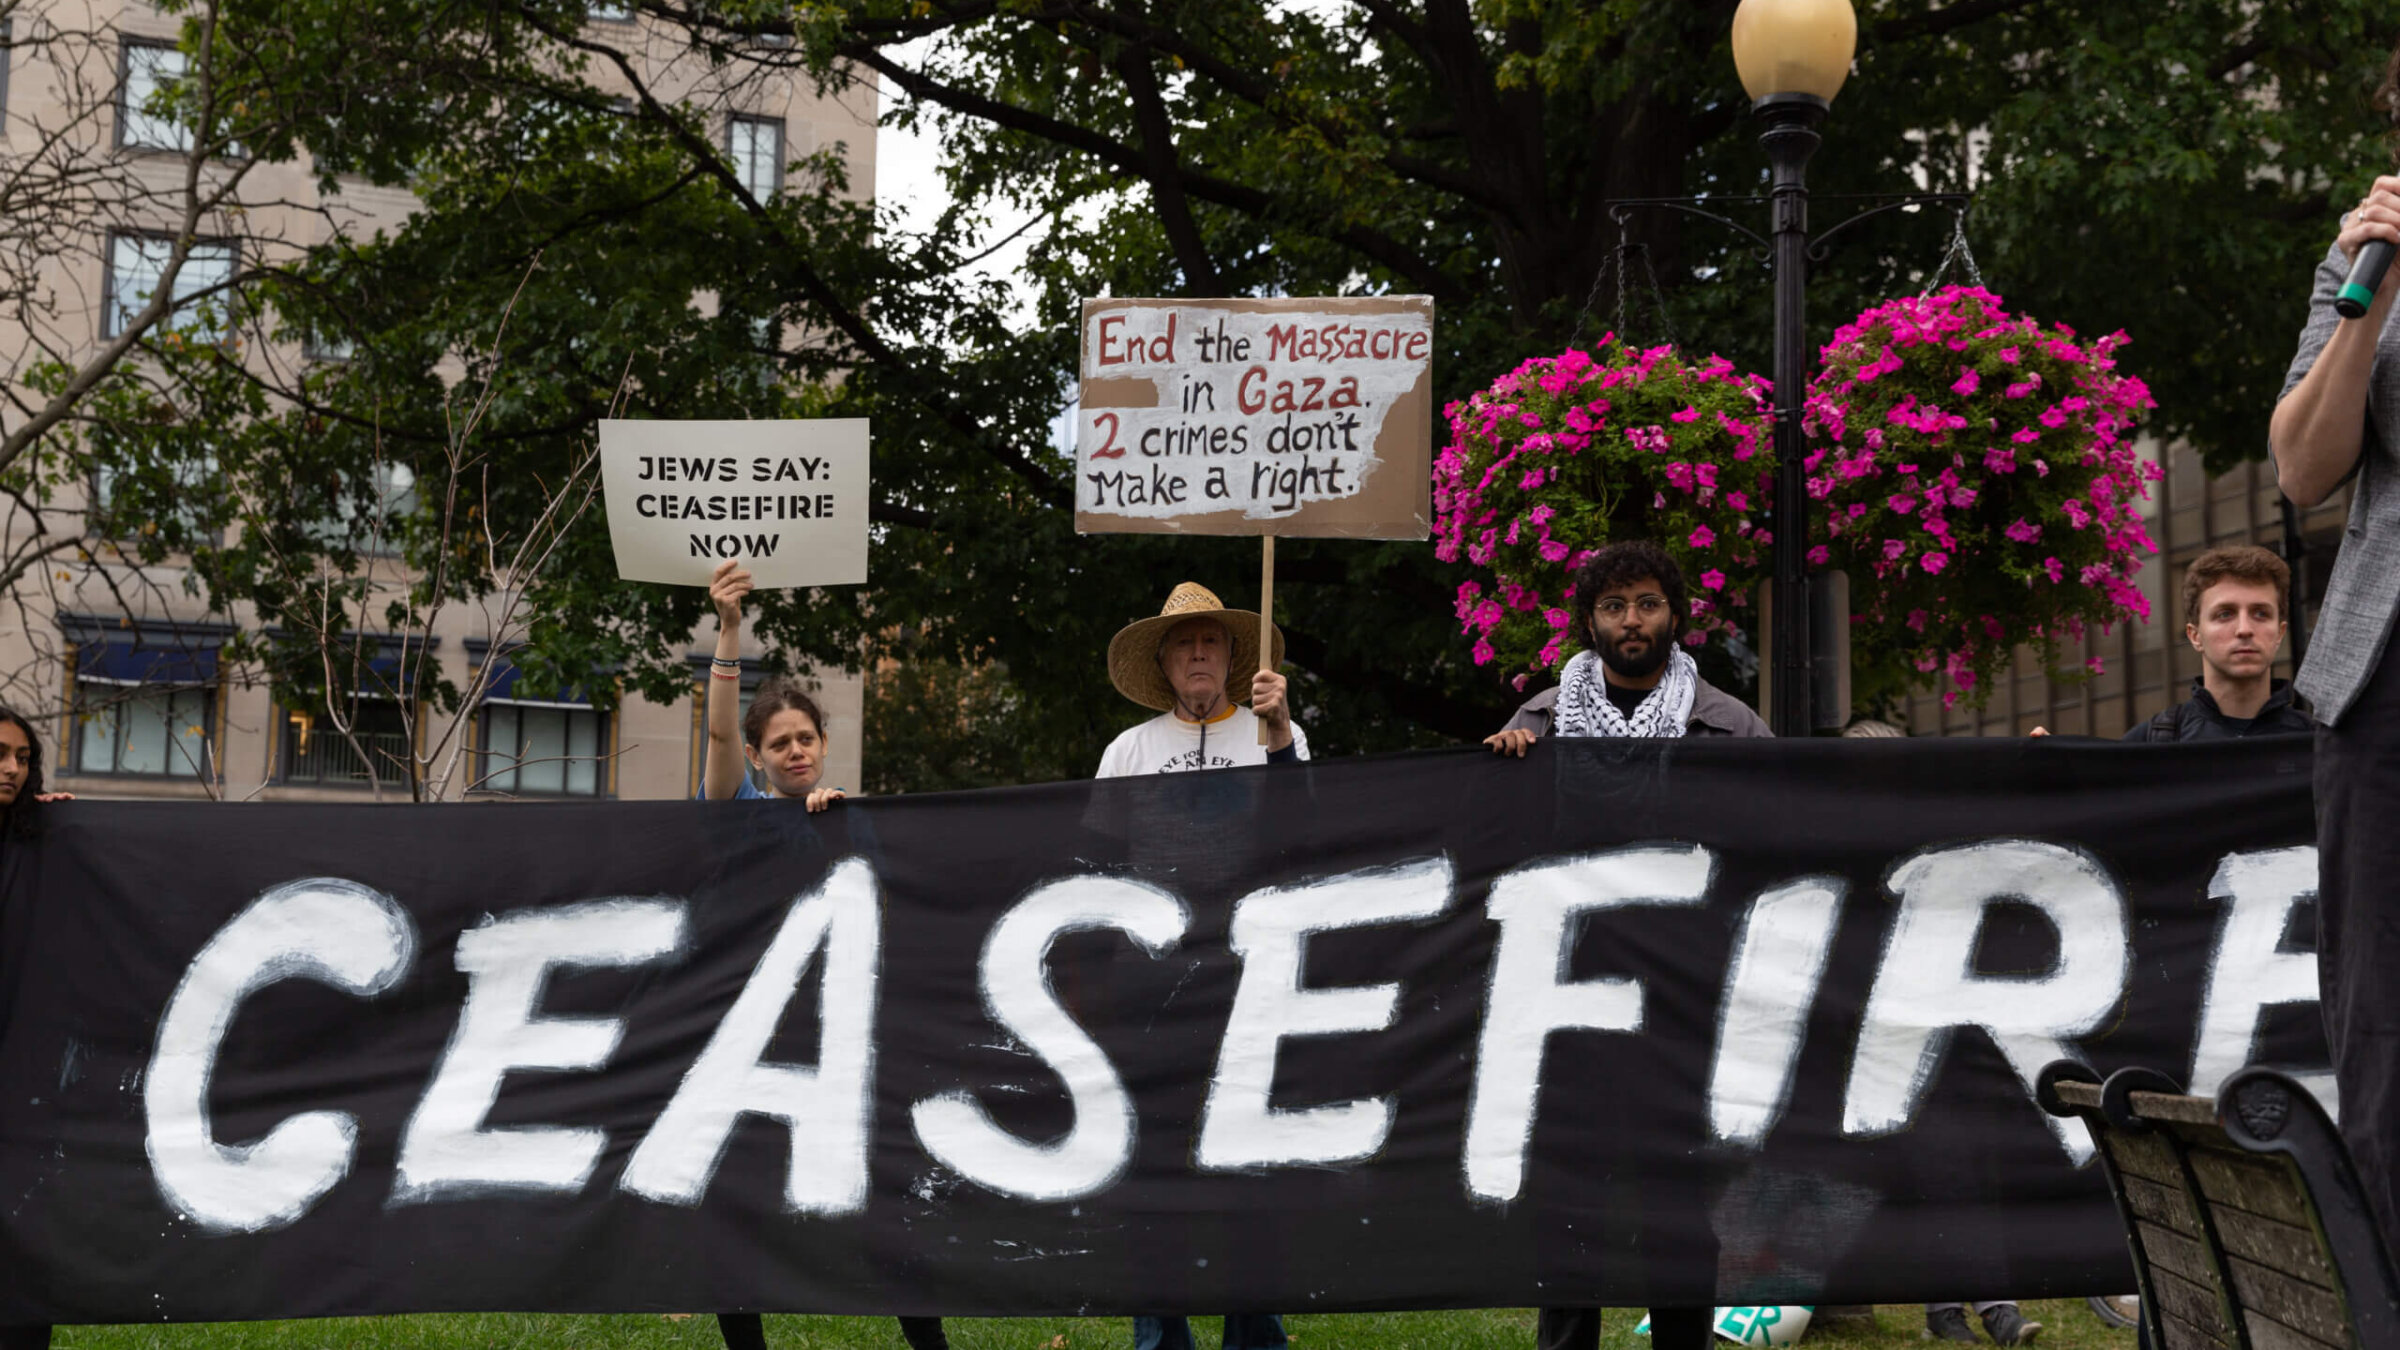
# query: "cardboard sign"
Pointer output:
{"type": "Point", "coordinates": [785, 499]}
{"type": "Point", "coordinates": [1286, 417]}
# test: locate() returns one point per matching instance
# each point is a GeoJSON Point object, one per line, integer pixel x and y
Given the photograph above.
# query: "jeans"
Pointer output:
{"type": "Point", "coordinates": [1243, 1331]}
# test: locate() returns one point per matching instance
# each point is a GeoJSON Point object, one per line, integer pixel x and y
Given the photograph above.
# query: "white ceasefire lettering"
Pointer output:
{"type": "Point", "coordinates": [828, 1108]}
{"type": "Point", "coordinates": [1778, 961]}
{"type": "Point", "coordinates": [2247, 974]}
{"type": "Point", "coordinates": [324, 929]}
{"type": "Point", "coordinates": [1239, 1127]}
{"type": "Point", "coordinates": [1927, 986]}
{"type": "Point", "coordinates": [447, 1150]}
{"type": "Point", "coordinates": [1536, 907]}
{"type": "Point", "coordinates": [1098, 1146]}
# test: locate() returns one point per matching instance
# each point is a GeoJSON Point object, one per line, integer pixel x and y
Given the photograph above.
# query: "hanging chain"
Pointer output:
{"type": "Point", "coordinates": [1658, 299]}
{"type": "Point", "coordinates": [1599, 279]}
{"type": "Point", "coordinates": [1958, 252]}
{"type": "Point", "coordinates": [1619, 264]}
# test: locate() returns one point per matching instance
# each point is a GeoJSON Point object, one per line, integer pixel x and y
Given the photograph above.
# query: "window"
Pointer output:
{"type": "Point", "coordinates": [138, 729]}
{"type": "Point", "coordinates": [610, 11]}
{"type": "Point", "coordinates": [535, 745]}
{"type": "Point", "coordinates": [135, 264]}
{"type": "Point", "coordinates": [755, 145]}
{"type": "Point", "coordinates": [186, 504]}
{"type": "Point", "coordinates": [144, 701]}
{"type": "Point", "coordinates": [328, 347]}
{"type": "Point", "coordinates": [380, 527]}
{"type": "Point", "coordinates": [543, 748]}
{"type": "Point", "coordinates": [317, 754]}
{"type": "Point", "coordinates": [150, 69]}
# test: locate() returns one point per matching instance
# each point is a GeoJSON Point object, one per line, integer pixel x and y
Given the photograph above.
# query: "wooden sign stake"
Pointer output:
{"type": "Point", "coordinates": [1266, 617]}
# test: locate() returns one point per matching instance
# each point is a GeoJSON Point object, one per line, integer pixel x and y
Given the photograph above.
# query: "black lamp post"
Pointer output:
{"type": "Point", "coordinates": [1793, 56]}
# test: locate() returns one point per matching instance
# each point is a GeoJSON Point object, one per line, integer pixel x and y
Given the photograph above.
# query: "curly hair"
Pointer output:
{"type": "Point", "coordinates": [2236, 562]}
{"type": "Point", "coordinates": [23, 817]}
{"type": "Point", "coordinates": [778, 693]}
{"type": "Point", "coordinates": [1621, 565]}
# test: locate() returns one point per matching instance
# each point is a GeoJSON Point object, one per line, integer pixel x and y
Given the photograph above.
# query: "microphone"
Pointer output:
{"type": "Point", "coordinates": [2366, 273]}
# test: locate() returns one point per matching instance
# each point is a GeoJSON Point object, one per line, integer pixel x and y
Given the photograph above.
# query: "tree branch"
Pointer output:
{"type": "Point", "coordinates": [845, 319]}
{"type": "Point", "coordinates": [1164, 174]}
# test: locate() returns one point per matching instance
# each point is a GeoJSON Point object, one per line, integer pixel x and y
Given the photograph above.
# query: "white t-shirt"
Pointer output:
{"type": "Point", "coordinates": [1168, 744]}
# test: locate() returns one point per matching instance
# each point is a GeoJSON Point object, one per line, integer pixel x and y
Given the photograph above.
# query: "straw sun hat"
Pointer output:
{"type": "Point", "coordinates": [1133, 652]}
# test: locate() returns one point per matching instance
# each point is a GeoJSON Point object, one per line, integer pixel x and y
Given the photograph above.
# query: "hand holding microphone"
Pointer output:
{"type": "Point", "coordinates": [2369, 237]}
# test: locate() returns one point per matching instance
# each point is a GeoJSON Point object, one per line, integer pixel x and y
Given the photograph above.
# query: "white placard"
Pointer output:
{"type": "Point", "coordinates": [1292, 415]}
{"type": "Point", "coordinates": [785, 499]}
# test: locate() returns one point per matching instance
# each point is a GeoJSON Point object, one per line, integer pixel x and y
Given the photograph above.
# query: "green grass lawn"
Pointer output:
{"type": "Point", "coordinates": [2067, 1325]}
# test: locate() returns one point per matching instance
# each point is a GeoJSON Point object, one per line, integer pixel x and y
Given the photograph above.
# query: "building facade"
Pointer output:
{"type": "Point", "coordinates": [122, 663]}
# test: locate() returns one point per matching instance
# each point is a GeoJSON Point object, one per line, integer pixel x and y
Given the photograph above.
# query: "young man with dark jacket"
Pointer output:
{"type": "Point", "coordinates": [2236, 604]}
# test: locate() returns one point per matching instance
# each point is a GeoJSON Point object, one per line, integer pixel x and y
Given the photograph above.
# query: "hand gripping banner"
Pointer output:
{"type": "Point", "coordinates": [1628, 1023]}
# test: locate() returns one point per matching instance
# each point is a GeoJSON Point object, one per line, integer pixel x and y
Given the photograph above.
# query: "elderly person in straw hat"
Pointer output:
{"type": "Point", "coordinates": [1189, 661]}
{"type": "Point", "coordinates": [1193, 661]}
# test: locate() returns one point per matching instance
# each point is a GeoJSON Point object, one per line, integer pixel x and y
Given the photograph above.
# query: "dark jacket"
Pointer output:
{"type": "Point", "coordinates": [1714, 713]}
{"type": "Point", "coordinates": [2199, 719]}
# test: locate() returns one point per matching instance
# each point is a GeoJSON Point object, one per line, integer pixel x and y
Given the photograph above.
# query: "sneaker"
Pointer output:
{"type": "Point", "coordinates": [2116, 1310]}
{"type": "Point", "coordinates": [2009, 1327]}
{"type": "Point", "coordinates": [1948, 1324]}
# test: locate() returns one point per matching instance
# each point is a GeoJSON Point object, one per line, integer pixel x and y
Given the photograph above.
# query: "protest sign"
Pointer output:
{"type": "Point", "coordinates": [1674, 1022]}
{"type": "Point", "coordinates": [785, 499]}
{"type": "Point", "coordinates": [1305, 416]}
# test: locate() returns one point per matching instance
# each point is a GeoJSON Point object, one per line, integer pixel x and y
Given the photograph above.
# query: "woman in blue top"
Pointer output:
{"type": "Point", "coordinates": [782, 736]}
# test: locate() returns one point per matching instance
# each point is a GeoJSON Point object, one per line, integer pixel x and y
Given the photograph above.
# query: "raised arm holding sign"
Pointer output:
{"type": "Point", "coordinates": [782, 735]}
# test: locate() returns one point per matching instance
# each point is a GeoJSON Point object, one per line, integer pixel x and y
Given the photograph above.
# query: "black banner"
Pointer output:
{"type": "Point", "coordinates": [1624, 1023]}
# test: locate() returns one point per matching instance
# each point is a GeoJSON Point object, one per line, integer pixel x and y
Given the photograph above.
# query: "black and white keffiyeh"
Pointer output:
{"type": "Point", "coordinates": [1584, 709]}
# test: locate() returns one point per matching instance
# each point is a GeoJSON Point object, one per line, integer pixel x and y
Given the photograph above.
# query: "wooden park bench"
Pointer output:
{"type": "Point", "coordinates": [2248, 1227]}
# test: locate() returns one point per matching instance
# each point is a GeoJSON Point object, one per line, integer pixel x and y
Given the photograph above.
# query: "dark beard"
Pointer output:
{"type": "Point", "coordinates": [1636, 667]}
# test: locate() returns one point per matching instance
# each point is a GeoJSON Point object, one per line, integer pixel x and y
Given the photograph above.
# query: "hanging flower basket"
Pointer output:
{"type": "Point", "coordinates": [1566, 453]}
{"type": "Point", "coordinates": [1980, 485]}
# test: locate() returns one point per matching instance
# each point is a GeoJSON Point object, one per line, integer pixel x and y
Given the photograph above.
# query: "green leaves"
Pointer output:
{"type": "Point", "coordinates": [2169, 168]}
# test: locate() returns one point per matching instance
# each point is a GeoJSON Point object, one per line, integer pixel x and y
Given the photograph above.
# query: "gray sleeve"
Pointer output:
{"type": "Point", "coordinates": [2322, 321]}
{"type": "Point", "coordinates": [1533, 714]}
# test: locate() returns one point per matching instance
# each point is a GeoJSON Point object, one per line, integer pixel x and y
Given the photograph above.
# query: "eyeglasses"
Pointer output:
{"type": "Point", "coordinates": [1648, 606]}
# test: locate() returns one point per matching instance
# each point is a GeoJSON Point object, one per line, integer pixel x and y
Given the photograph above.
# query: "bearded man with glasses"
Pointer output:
{"type": "Point", "coordinates": [1633, 677]}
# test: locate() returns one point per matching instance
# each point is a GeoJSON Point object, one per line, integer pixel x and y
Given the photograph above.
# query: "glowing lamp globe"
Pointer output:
{"type": "Point", "coordinates": [1794, 46]}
